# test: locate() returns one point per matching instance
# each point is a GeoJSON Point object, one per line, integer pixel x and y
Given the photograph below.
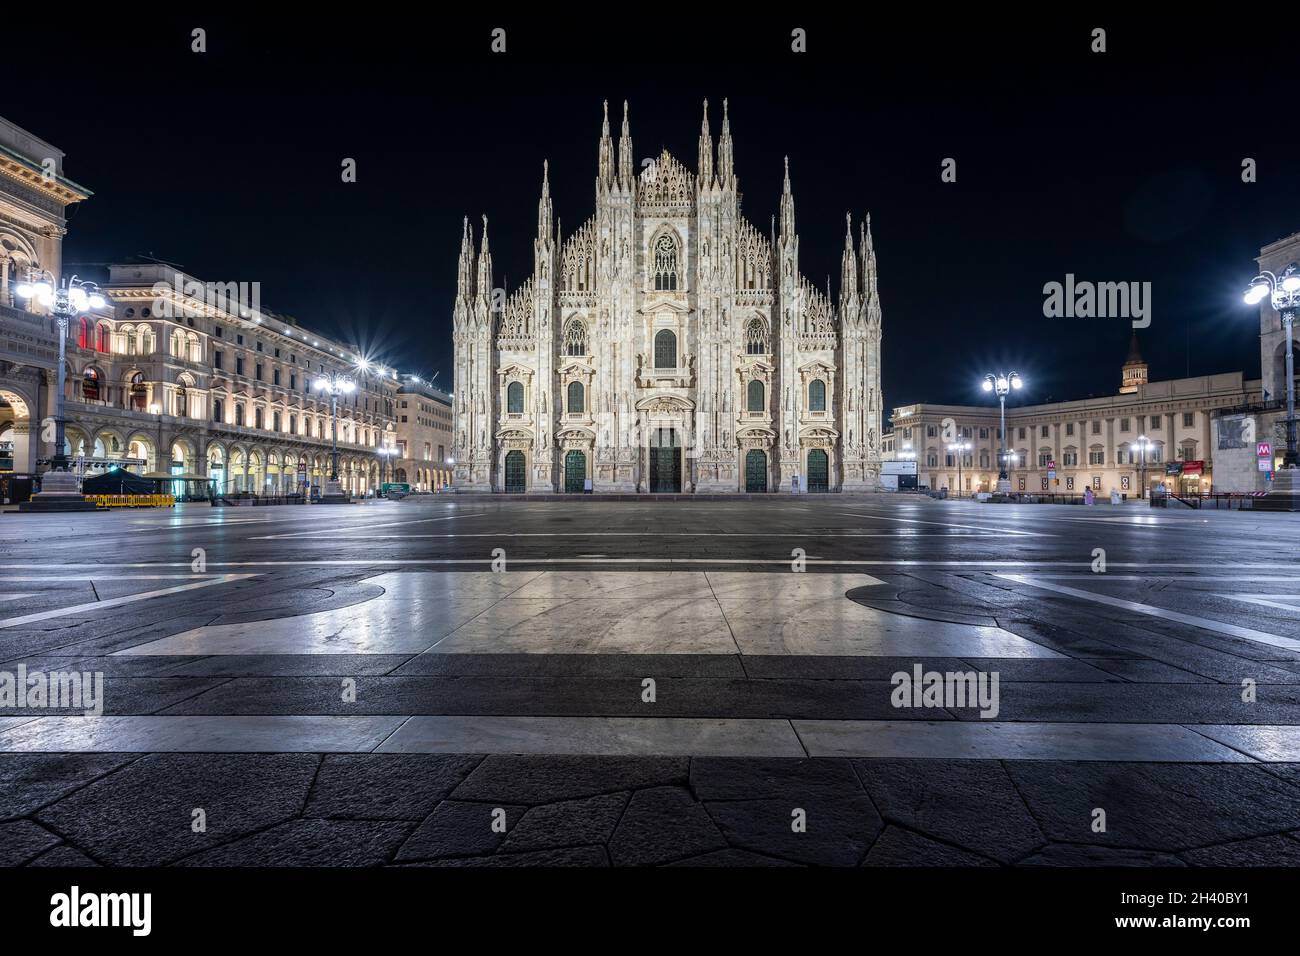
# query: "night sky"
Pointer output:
{"type": "Point", "coordinates": [1123, 166]}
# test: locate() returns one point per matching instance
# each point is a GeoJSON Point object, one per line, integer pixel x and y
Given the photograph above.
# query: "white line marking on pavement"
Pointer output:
{"type": "Point", "coordinates": [116, 602]}
{"type": "Point", "coordinates": [422, 562]}
{"type": "Point", "coordinates": [654, 736]}
{"type": "Point", "coordinates": [949, 524]}
{"type": "Point", "coordinates": [361, 527]}
{"type": "Point", "coordinates": [90, 577]}
{"type": "Point", "coordinates": [1283, 602]}
{"type": "Point", "coordinates": [13, 597]}
{"type": "Point", "coordinates": [1182, 579]}
{"type": "Point", "coordinates": [899, 533]}
{"type": "Point", "coordinates": [1232, 630]}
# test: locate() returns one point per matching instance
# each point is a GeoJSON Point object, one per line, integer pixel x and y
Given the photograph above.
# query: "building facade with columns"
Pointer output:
{"type": "Point", "coordinates": [34, 198]}
{"type": "Point", "coordinates": [174, 375]}
{"type": "Point", "coordinates": [667, 344]}
{"type": "Point", "coordinates": [423, 459]}
{"type": "Point", "coordinates": [1067, 447]}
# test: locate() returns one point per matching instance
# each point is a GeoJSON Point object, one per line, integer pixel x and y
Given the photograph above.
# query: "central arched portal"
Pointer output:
{"type": "Point", "coordinates": [516, 473]}
{"type": "Point", "coordinates": [665, 462]}
{"type": "Point", "coordinates": [819, 470]}
{"type": "Point", "coordinates": [756, 470]}
{"type": "Point", "coordinates": [575, 472]}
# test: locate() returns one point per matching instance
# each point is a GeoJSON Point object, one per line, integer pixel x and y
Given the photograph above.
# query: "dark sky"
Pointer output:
{"type": "Point", "coordinates": [1123, 166]}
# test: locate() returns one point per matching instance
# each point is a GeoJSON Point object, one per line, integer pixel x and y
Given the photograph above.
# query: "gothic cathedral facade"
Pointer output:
{"type": "Point", "coordinates": [667, 345]}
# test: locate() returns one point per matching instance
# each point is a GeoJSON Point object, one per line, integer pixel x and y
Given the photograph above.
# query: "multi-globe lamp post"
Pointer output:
{"type": "Point", "coordinates": [60, 489]}
{"type": "Point", "coordinates": [1002, 384]}
{"type": "Point", "coordinates": [1283, 293]}
{"type": "Point", "coordinates": [336, 383]}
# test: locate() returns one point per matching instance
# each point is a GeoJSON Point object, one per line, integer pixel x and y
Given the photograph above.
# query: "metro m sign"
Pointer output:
{"type": "Point", "coordinates": [1263, 449]}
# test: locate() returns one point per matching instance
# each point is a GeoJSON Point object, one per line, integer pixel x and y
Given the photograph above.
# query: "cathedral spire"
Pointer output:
{"type": "Point", "coordinates": [787, 205]}
{"type": "Point", "coordinates": [848, 266]}
{"type": "Point", "coordinates": [706, 151]}
{"type": "Point", "coordinates": [625, 150]}
{"type": "Point", "coordinates": [465, 267]}
{"type": "Point", "coordinates": [871, 295]}
{"type": "Point", "coordinates": [544, 204]}
{"type": "Point", "coordinates": [726, 164]}
{"type": "Point", "coordinates": [606, 165]}
{"type": "Point", "coordinates": [485, 269]}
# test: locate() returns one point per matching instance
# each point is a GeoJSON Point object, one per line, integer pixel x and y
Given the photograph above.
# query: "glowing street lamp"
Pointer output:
{"type": "Point", "coordinates": [336, 383]}
{"type": "Point", "coordinates": [72, 297]}
{"type": "Point", "coordinates": [1284, 294]}
{"type": "Point", "coordinates": [1002, 384]}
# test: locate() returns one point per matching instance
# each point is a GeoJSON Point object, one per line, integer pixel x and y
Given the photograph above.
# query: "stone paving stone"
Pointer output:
{"type": "Point", "coordinates": [1289, 772]}
{"type": "Point", "coordinates": [733, 858]}
{"type": "Point", "coordinates": [438, 664]}
{"type": "Point", "coordinates": [277, 665]}
{"type": "Point", "coordinates": [108, 666]}
{"type": "Point", "coordinates": [30, 781]}
{"type": "Point", "coordinates": [23, 840]}
{"type": "Point", "coordinates": [1203, 703]}
{"type": "Point", "coordinates": [141, 815]}
{"type": "Point", "coordinates": [63, 856]}
{"type": "Point", "coordinates": [458, 829]}
{"type": "Point", "coordinates": [587, 736]}
{"type": "Point", "coordinates": [897, 846]}
{"type": "Point", "coordinates": [579, 856]}
{"type": "Point", "coordinates": [839, 829]}
{"type": "Point", "coordinates": [309, 843]}
{"type": "Point", "coordinates": [1009, 670]}
{"type": "Point", "coordinates": [748, 778]}
{"type": "Point", "coordinates": [1081, 641]}
{"type": "Point", "coordinates": [295, 602]}
{"type": "Point", "coordinates": [1165, 807]}
{"type": "Point", "coordinates": [1280, 849]}
{"type": "Point", "coordinates": [547, 779]}
{"type": "Point", "coordinates": [835, 667]}
{"type": "Point", "coordinates": [1260, 740]}
{"type": "Point", "coordinates": [1073, 854]}
{"type": "Point", "coordinates": [125, 696]}
{"type": "Point", "coordinates": [971, 804]}
{"type": "Point", "coordinates": [588, 820]}
{"type": "Point", "coordinates": [1149, 672]}
{"type": "Point", "coordinates": [385, 787]}
{"type": "Point", "coordinates": [557, 697]}
{"type": "Point", "coordinates": [660, 825]}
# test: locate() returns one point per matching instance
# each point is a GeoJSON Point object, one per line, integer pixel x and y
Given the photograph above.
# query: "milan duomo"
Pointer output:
{"type": "Point", "coordinates": [667, 345]}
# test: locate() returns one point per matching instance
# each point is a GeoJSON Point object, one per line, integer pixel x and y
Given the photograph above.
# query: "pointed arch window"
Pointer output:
{"type": "Point", "coordinates": [665, 349]}
{"type": "Point", "coordinates": [755, 401]}
{"type": "Point", "coordinates": [577, 398]}
{"type": "Point", "coordinates": [756, 337]}
{"type": "Point", "coordinates": [817, 395]}
{"type": "Point", "coordinates": [665, 264]}
{"type": "Point", "coordinates": [575, 338]}
{"type": "Point", "coordinates": [515, 398]}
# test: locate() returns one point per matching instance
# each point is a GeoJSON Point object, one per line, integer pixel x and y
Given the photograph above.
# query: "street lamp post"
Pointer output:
{"type": "Point", "coordinates": [1002, 384]}
{"type": "Point", "coordinates": [336, 384]}
{"type": "Point", "coordinates": [959, 449]}
{"type": "Point", "coordinates": [385, 455]}
{"type": "Point", "coordinates": [60, 489]}
{"type": "Point", "coordinates": [1143, 444]}
{"type": "Point", "coordinates": [1284, 294]}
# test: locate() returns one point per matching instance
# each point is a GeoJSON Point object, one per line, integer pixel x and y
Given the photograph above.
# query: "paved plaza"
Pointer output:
{"type": "Point", "coordinates": [448, 681]}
